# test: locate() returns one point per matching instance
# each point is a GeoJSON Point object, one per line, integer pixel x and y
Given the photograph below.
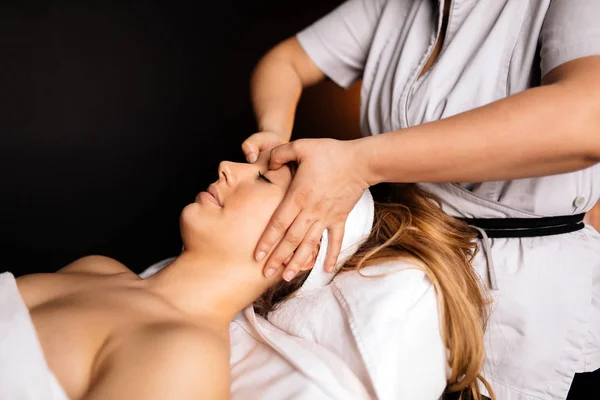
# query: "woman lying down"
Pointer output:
{"type": "Point", "coordinates": [106, 334]}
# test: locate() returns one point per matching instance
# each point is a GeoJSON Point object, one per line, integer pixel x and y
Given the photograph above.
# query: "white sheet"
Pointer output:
{"type": "Point", "coordinates": [24, 374]}
{"type": "Point", "coordinates": [385, 328]}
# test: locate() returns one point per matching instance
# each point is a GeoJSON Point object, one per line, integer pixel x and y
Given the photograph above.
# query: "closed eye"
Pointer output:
{"type": "Point", "coordinates": [264, 178]}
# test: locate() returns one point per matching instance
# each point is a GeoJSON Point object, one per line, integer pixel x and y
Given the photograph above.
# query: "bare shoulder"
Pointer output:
{"type": "Point", "coordinates": [97, 265]}
{"type": "Point", "coordinates": [167, 360]}
{"type": "Point", "coordinates": [39, 288]}
{"type": "Point", "coordinates": [171, 337]}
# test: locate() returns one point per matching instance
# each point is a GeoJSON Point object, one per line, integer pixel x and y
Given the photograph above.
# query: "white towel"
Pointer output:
{"type": "Point", "coordinates": [24, 374]}
{"type": "Point", "coordinates": [384, 327]}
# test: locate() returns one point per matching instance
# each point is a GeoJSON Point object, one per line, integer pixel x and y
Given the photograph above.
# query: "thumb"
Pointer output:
{"type": "Point", "coordinates": [251, 148]}
{"type": "Point", "coordinates": [283, 154]}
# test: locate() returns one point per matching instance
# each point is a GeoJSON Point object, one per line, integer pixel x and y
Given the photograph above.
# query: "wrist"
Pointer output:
{"type": "Point", "coordinates": [283, 133]}
{"type": "Point", "coordinates": [365, 153]}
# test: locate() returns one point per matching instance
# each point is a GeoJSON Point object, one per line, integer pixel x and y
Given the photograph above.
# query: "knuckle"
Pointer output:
{"type": "Point", "coordinates": [278, 225]}
{"type": "Point", "coordinates": [340, 217]}
{"type": "Point", "coordinates": [300, 197]}
{"type": "Point", "coordinates": [313, 241]}
{"type": "Point", "coordinates": [293, 239]}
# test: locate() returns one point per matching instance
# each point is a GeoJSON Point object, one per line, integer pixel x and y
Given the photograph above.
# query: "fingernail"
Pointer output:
{"type": "Point", "coordinates": [289, 275]}
{"type": "Point", "coordinates": [252, 157]}
{"type": "Point", "coordinates": [270, 272]}
{"type": "Point", "coordinates": [260, 256]}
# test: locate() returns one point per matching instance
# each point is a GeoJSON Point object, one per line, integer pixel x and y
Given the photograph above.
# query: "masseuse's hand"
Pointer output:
{"type": "Point", "coordinates": [330, 179]}
{"type": "Point", "coordinates": [259, 142]}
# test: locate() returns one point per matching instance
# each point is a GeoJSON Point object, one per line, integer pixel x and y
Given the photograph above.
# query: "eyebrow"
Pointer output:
{"type": "Point", "coordinates": [292, 166]}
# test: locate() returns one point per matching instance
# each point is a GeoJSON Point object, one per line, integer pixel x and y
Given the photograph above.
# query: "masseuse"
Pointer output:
{"type": "Point", "coordinates": [495, 103]}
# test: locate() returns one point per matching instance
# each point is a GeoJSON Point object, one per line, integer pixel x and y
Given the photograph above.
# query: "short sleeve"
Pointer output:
{"type": "Point", "coordinates": [571, 30]}
{"type": "Point", "coordinates": [339, 42]}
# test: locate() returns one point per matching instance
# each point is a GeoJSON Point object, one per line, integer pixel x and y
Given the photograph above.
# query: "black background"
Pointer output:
{"type": "Point", "coordinates": [113, 116]}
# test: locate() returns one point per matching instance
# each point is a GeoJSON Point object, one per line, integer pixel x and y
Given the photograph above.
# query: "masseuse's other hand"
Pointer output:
{"type": "Point", "coordinates": [328, 183]}
{"type": "Point", "coordinates": [259, 142]}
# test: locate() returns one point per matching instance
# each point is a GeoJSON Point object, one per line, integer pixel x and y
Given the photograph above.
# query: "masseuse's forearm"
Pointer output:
{"type": "Point", "coordinates": [542, 131]}
{"type": "Point", "coordinates": [277, 84]}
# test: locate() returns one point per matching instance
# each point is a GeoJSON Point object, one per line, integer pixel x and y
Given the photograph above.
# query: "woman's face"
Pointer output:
{"type": "Point", "coordinates": [232, 215]}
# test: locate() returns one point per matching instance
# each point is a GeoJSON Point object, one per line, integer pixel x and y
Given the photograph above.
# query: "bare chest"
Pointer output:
{"type": "Point", "coordinates": [74, 330]}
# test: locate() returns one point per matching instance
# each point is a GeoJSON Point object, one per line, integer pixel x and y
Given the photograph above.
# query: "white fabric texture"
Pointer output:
{"type": "Point", "coordinates": [24, 374]}
{"type": "Point", "coordinates": [259, 371]}
{"type": "Point", "coordinates": [546, 321]}
{"type": "Point", "coordinates": [383, 322]}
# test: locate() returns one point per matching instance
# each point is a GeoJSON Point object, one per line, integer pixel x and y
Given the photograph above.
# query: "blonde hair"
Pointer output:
{"type": "Point", "coordinates": [414, 226]}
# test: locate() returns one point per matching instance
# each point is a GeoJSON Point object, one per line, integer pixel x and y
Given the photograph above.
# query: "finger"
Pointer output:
{"type": "Point", "coordinates": [290, 242]}
{"type": "Point", "coordinates": [282, 218]}
{"type": "Point", "coordinates": [305, 251]}
{"type": "Point", "coordinates": [250, 149]}
{"type": "Point", "coordinates": [335, 236]}
{"type": "Point", "coordinates": [283, 154]}
{"type": "Point", "coordinates": [309, 264]}
{"type": "Point", "coordinates": [287, 260]}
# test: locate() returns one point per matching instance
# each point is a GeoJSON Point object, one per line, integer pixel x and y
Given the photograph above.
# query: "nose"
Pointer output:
{"type": "Point", "coordinates": [226, 172]}
{"type": "Point", "coordinates": [232, 173]}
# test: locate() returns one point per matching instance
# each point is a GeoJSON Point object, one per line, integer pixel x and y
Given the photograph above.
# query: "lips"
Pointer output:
{"type": "Point", "coordinates": [213, 192]}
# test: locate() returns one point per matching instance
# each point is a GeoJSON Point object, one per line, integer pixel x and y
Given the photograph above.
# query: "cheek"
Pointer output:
{"type": "Point", "coordinates": [253, 215]}
{"type": "Point", "coordinates": [242, 221]}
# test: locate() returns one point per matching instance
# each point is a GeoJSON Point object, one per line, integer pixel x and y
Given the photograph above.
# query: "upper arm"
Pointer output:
{"type": "Point", "coordinates": [571, 31]}
{"type": "Point", "coordinates": [166, 363]}
{"type": "Point", "coordinates": [339, 42]}
{"type": "Point", "coordinates": [290, 52]}
{"type": "Point", "coordinates": [570, 57]}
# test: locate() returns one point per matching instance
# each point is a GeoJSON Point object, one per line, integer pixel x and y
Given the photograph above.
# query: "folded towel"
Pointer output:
{"type": "Point", "coordinates": [24, 374]}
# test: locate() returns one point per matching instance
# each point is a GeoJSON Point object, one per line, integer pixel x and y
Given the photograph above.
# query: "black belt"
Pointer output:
{"type": "Point", "coordinates": [527, 227]}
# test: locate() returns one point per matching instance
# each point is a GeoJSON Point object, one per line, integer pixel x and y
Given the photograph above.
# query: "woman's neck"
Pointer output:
{"type": "Point", "coordinates": [209, 288]}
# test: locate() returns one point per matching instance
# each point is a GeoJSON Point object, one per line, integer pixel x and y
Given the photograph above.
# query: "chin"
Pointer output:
{"type": "Point", "coordinates": [193, 218]}
{"type": "Point", "coordinates": [190, 212]}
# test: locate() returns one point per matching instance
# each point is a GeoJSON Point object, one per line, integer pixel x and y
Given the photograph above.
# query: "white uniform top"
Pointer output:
{"type": "Point", "coordinates": [545, 324]}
